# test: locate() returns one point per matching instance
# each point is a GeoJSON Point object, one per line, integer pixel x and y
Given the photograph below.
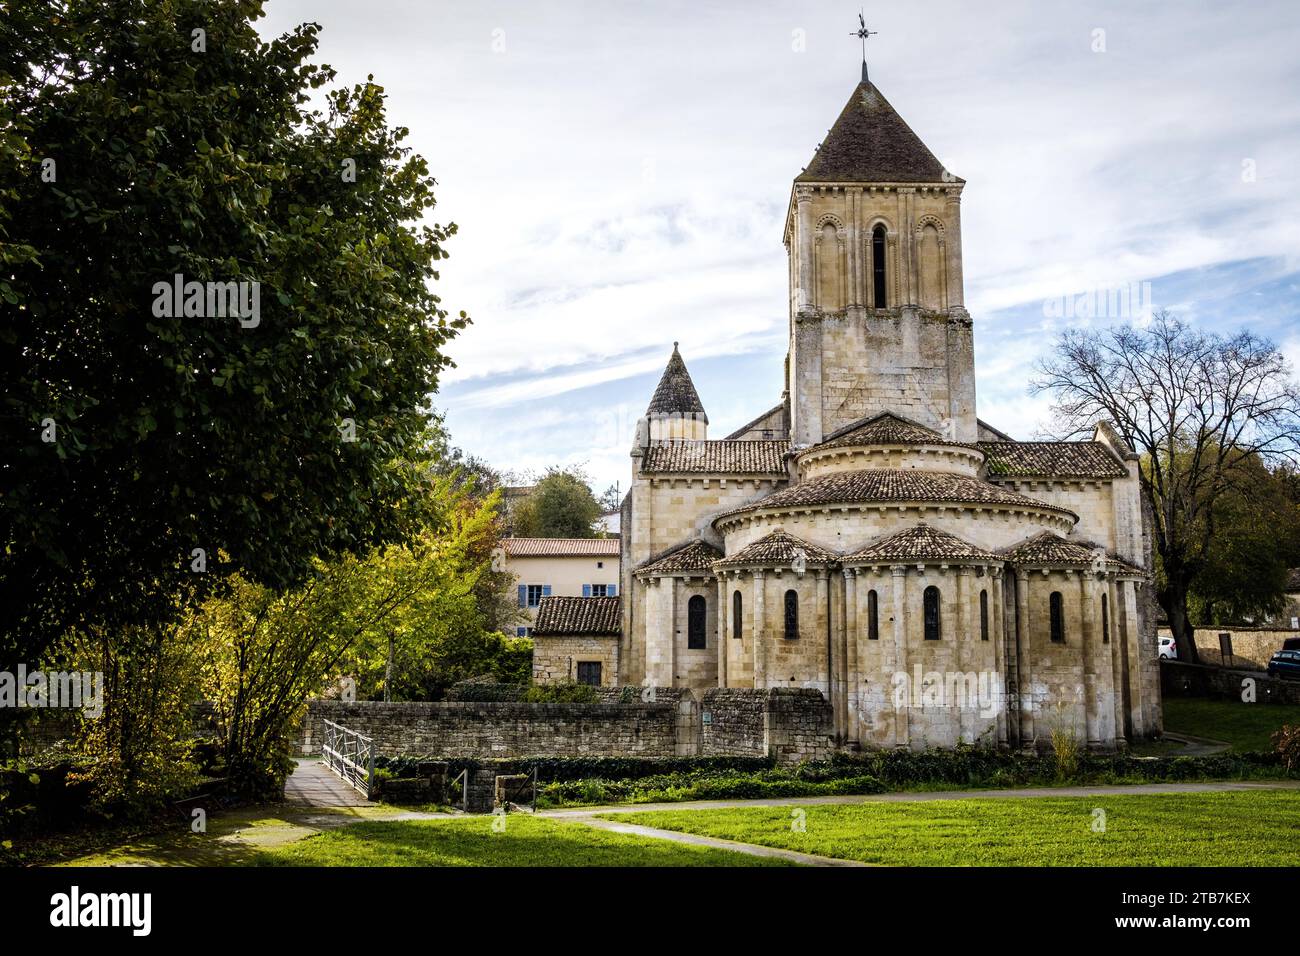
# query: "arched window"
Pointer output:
{"type": "Point", "coordinates": [1057, 607]}
{"type": "Point", "coordinates": [696, 614]}
{"type": "Point", "coordinates": [1105, 619]}
{"type": "Point", "coordinates": [873, 616]}
{"type": "Point", "coordinates": [878, 267]}
{"type": "Point", "coordinates": [984, 615]}
{"type": "Point", "coordinates": [930, 601]}
{"type": "Point", "coordinates": [791, 615]}
{"type": "Point", "coordinates": [736, 617]}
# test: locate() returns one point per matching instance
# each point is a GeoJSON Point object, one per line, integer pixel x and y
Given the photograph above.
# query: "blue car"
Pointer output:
{"type": "Point", "coordinates": [1285, 664]}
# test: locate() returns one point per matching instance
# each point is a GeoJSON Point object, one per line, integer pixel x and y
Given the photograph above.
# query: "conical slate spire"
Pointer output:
{"type": "Point", "coordinates": [676, 393]}
{"type": "Point", "coordinates": [871, 143]}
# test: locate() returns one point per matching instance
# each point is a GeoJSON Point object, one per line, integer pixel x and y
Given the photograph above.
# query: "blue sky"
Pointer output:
{"type": "Point", "coordinates": [620, 172]}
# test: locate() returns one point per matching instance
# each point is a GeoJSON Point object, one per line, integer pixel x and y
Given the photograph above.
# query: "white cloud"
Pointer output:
{"type": "Point", "coordinates": [620, 173]}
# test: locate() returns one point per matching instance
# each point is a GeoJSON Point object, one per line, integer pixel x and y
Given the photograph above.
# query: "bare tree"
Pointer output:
{"type": "Point", "coordinates": [1197, 406]}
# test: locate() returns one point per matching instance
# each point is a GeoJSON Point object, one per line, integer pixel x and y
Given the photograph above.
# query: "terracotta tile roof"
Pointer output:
{"type": "Point", "coordinates": [894, 485]}
{"type": "Point", "coordinates": [1051, 549]}
{"type": "Point", "coordinates": [676, 392]}
{"type": "Point", "coordinates": [561, 547]}
{"type": "Point", "coordinates": [923, 543]}
{"type": "Point", "coordinates": [1293, 579]}
{"type": "Point", "coordinates": [882, 429]}
{"type": "Point", "coordinates": [1051, 459]}
{"type": "Point", "coordinates": [1122, 566]}
{"type": "Point", "coordinates": [579, 615]}
{"type": "Point", "coordinates": [716, 457]}
{"type": "Point", "coordinates": [694, 555]}
{"type": "Point", "coordinates": [778, 550]}
{"type": "Point", "coordinates": [870, 143]}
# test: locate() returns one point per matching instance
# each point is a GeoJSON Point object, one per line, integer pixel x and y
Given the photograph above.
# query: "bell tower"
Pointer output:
{"type": "Point", "coordinates": [877, 315]}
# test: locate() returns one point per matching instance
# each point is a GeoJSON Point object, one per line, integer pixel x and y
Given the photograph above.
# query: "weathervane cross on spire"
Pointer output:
{"type": "Point", "coordinates": [862, 34]}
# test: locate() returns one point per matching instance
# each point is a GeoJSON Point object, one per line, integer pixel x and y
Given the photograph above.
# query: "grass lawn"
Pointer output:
{"type": "Point", "coordinates": [1245, 726]}
{"type": "Point", "coordinates": [1254, 828]}
{"type": "Point", "coordinates": [526, 841]}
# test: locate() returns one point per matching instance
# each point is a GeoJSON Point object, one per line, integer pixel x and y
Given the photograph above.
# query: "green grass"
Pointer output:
{"type": "Point", "coordinates": [470, 841]}
{"type": "Point", "coordinates": [1245, 726]}
{"type": "Point", "coordinates": [1253, 828]}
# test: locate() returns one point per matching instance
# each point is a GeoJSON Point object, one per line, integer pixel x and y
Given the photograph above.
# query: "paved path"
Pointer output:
{"type": "Point", "coordinates": [694, 839]}
{"type": "Point", "coordinates": [312, 784]}
{"type": "Point", "coordinates": [1196, 746]}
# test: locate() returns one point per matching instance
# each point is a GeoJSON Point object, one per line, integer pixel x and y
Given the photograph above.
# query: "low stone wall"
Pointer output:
{"type": "Point", "coordinates": [506, 729]}
{"type": "Point", "coordinates": [792, 725]}
{"type": "Point", "coordinates": [1203, 680]}
{"type": "Point", "coordinates": [1251, 646]}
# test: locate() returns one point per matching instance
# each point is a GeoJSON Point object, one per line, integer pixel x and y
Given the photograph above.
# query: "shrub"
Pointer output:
{"type": "Point", "coordinates": [1286, 743]}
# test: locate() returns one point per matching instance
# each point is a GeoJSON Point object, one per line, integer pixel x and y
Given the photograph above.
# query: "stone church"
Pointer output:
{"type": "Point", "coordinates": [869, 536]}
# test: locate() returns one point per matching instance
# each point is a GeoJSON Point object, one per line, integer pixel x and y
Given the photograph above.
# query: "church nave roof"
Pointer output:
{"type": "Point", "coordinates": [716, 457]}
{"type": "Point", "coordinates": [1051, 459]}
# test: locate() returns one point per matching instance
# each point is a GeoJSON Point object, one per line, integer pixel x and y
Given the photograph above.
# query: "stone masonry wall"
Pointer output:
{"type": "Point", "coordinates": [491, 729]}
{"type": "Point", "coordinates": [792, 724]}
{"type": "Point", "coordinates": [557, 658]}
{"type": "Point", "coordinates": [1201, 680]}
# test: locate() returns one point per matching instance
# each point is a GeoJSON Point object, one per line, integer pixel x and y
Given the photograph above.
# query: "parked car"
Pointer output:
{"type": "Point", "coordinates": [1284, 664]}
{"type": "Point", "coordinates": [1291, 644]}
{"type": "Point", "coordinates": [1168, 649]}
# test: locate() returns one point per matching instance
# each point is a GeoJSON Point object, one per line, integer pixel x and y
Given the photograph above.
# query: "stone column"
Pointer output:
{"type": "Point", "coordinates": [997, 635]}
{"type": "Point", "coordinates": [825, 640]}
{"type": "Point", "coordinates": [1133, 641]}
{"type": "Point", "coordinates": [1116, 661]}
{"type": "Point", "coordinates": [835, 659]}
{"type": "Point", "coordinates": [902, 716]}
{"type": "Point", "coordinates": [852, 685]}
{"type": "Point", "coordinates": [1088, 645]}
{"type": "Point", "coordinates": [804, 240]}
{"type": "Point", "coordinates": [952, 212]}
{"type": "Point", "coordinates": [907, 243]}
{"type": "Point", "coordinates": [1024, 662]}
{"type": "Point", "coordinates": [965, 651]}
{"type": "Point", "coordinates": [760, 632]}
{"type": "Point", "coordinates": [724, 632]}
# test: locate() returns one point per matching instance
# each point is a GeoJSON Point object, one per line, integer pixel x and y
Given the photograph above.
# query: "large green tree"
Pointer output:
{"type": "Point", "coordinates": [148, 455]}
{"type": "Point", "coordinates": [1243, 574]}
{"type": "Point", "coordinates": [560, 506]}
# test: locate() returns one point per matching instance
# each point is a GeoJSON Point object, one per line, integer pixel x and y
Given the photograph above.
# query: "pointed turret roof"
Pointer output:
{"type": "Point", "coordinates": [676, 393]}
{"type": "Point", "coordinates": [871, 143]}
